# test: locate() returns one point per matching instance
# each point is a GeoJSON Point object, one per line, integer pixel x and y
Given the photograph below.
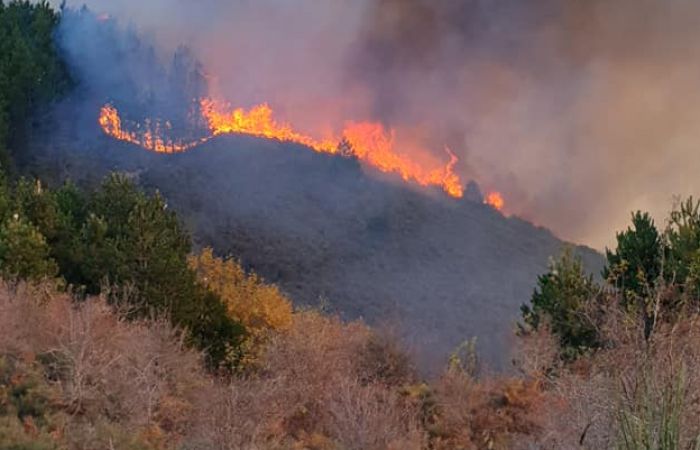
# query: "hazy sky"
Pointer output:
{"type": "Point", "coordinates": [579, 112]}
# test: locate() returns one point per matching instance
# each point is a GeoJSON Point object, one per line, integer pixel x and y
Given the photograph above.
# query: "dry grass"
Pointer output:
{"type": "Point", "coordinates": [92, 380]}
{"type": "Point", "coordinates": [106, 372]}
{"type": "Point", "coordinates": [592, 403]}
{"type": "Point", "coordinates": [312, 393]}
{"type": "Point", "coordinates": [116, 384]}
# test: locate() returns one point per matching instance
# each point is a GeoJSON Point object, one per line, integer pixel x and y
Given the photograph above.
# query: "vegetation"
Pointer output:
{"type": "Point", "coordinates": [31, 71]}
{"type": "Point", "coordinates": [259, 307]}
{"type": "Point", "coordinates": [633, 386]}
{"type": "Point", "coordinates": [635, 266]}
{"type": "Point", "coordinates": [562, 298]}
{"type": "Point", "coordinates": [683, 252]}
{"type": "Point", "coordinates": [81, 377]}
{"type": "Point", "coordinates": [119, 242]}
{"type": "Point", "coordinates": [115, 334]}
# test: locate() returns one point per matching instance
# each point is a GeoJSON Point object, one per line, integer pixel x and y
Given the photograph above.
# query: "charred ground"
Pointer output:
{"type": "Point", "coordinates": [330, 232]}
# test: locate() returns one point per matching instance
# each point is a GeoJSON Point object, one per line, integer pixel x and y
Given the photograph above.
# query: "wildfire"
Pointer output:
{"type": "Point", "coordinates": [370, 142]}
{"type": "Point", "coordinates": [258, 121]}
{"type": "Point", "coordinates": [150, 138]}
{"type": "Point", "coordinates": [495, 199]}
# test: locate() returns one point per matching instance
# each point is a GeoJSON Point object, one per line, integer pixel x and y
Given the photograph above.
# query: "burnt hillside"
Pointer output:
{"type": "Point", "coordinates": [330, 232]}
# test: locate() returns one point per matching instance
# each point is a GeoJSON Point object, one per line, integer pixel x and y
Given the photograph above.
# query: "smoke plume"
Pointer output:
{"type": "Point", "coordinates": [578, 112]}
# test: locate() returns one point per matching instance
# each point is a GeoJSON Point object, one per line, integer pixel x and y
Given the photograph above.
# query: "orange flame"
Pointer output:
{"type": "Point", "coordinates": [369, 142]}
{"type": "Point", "coordinates": [258, 122]}
{"type": "Point", "coordinates": [495, 199]}
{"type": "Point", "coordinates": [151, 138]}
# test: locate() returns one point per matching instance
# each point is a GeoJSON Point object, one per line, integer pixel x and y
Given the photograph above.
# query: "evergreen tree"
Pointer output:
{"type": "Point", "coordinates": [67, 247]}
{"type": "Point", "coordinates": [564, 299]}
{"type": "Point", "coordinates": [38, 205]}
{"type": "Point", "coordinates": [683, 238]}
{"type": "Point", "coordinates": [635, 264]}
{"type": "Point", "coordinates": [133, 242]}
{"type": "Point", "coordinates": [24, 253]}
{"type": "Point", "coordinates": [31, 71]}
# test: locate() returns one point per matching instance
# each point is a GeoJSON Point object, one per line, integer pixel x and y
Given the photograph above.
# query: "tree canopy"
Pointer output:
{"type": "Point", "coordinates": [31, 71]}
{"type": "Point", "coordinates": [563, 299]}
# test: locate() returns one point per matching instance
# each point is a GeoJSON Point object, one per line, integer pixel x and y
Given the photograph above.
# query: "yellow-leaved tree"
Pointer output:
{"type": "Point", "coordinates": [260, 307]}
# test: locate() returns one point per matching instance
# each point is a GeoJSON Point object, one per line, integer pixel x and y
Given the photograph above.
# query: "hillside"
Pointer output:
{"type": "Point", "coordinates": [136, 311]}
{"type": "Point", "coordinates": [329, 232]}
{"type": "Point", "coordinates": [325, 229]}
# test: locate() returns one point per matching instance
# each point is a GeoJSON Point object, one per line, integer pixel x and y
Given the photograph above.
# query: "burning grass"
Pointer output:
{"type": "Point", "coordinates": [369, 142]}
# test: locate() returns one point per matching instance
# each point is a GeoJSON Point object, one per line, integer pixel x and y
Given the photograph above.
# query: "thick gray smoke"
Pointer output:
{"type": "Point", "coordinates": [578, 111]}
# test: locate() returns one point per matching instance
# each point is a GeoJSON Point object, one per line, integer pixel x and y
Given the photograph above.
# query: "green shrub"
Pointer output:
{"type": "Point", "coordinates": [563, 299]}
{"type": "Point", "coordinates": [24, 253]}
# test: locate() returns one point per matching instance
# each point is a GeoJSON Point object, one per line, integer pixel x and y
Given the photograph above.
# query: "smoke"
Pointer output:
{"type": "Point", "coordinates": [579, 112]}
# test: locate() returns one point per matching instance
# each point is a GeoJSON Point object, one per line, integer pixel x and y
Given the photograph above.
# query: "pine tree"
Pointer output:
{"type": "Point", "coordinates": [24, 253]}
{"type": "Point", "coordinates": [683, 253]}
{"type": "Point", "coordinates": [565, 299]}
{"type": "Point", "coordinates": [635, 264]}
{"type": "Point", "coordinates": [133, 242]}
{"type": "Point", "coordinates": [31, 71]}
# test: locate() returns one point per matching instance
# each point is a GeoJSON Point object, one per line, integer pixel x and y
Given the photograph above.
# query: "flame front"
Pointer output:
{"type": "Point", "coordinates": [370, 142]}
{"type": "Point", "coordinates": [150, 138]}
{"type": "Point", "coordinates": [257, 122]}
{"type": "Point", "coordinates": [495, 199]}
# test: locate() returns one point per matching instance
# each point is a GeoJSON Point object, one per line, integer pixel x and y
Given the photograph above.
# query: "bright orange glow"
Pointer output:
{"type": "Point", "coordinates": [258, 121]}
{"type": "Point", "coordinates": [150, 138]}
{"type": "Point", "coordinates": [375, 145]}
{"type": "Point", "coordinates": [495, 199]}
{"type": "Point", "coordinates": [370, 142]}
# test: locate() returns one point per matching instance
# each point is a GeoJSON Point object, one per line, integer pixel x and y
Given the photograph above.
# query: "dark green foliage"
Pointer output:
{"type": "Point", "coordinates": [66, 242]}
{"type": "Point", "coordinates": [24, 253]}
{"type": "Point", "coordinates": [563, 299]}
{"type": "Point", "coordinates": [134, 238]}
{"type": "Point", "coordinates": [116, 237]}
{"type": "Point", "coordinates": [38, 205]}
{"type": "Point", "coordinates": [30, 70]}
{"type": "Point", "coordinates": [53, 216]}
{"type": "Point", "coordinates": [5, 197]}
{"type": "Point", "coordinates": [655, 276]}
{"type": "Point", "coordinates": [683, 237]}
{"type": "Point", "coordinates": [132, 242]}
{"type": "Point", "coordinates": [635, 266]}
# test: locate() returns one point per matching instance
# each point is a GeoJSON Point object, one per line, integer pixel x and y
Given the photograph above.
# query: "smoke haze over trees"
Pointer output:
{"type": "Point", "coordinates": [118, 330]}
{"type": "Point", "coordinates": [524, 92]}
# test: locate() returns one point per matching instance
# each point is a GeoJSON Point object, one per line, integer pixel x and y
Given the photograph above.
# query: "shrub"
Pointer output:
{"type": "Point", "coordinates": [24, 253]}
{"type": "Point", "coordinates": [636, 392]}
{"type": "Point", "coordinates": [259, 307]}
{"type": "Point", "coordinates": [649, 416]}
{"type": "Point", "coordinates": [490, 414]}
{"type": "Point", "coordinates": [82, 377]}
{"type": "Point", "coordinates": [562, 300]}
{"type": "Point", "coordinates": [309, 393]}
